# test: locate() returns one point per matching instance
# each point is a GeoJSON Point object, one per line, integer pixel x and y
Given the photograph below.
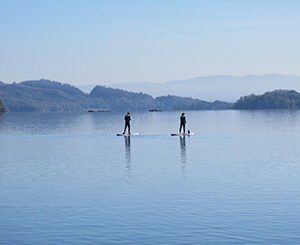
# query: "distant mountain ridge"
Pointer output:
{"type": "Point", "coordinates": [47, 96]}
{"type": "Point", "coordinates": [222, 87]}
{"type": "Point", "coordinates": [44, 95]}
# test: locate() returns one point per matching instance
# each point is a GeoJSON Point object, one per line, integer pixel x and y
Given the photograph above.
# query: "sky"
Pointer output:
{"type": "Point", "coordinates": [116, 41]}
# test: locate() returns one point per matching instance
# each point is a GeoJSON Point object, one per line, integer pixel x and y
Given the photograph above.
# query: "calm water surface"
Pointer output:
{"type": "Point", "coordinates": [67, 179]}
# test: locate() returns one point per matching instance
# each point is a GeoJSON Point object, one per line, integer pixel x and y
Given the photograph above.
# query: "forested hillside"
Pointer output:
{"type": "Point", "coordinates": [278, 99]}
{"type": "Point", "coordinates": [39, 97]}
{"type": "Point", "coordinates": [45, 96]}
{"type": "Point", "coordinates": [181, 103]}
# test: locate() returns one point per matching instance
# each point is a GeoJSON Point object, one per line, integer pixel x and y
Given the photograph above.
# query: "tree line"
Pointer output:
{"type": "Point", "coordinates": [44, 95]}
{"type": "Point", "coordinates": [278, 99]}
{"type": "Point", "coordinates": [48, 96]}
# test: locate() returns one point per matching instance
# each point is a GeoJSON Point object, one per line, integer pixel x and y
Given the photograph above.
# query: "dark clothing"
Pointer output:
{"type": "Point", "coordinates": [127, 119]}
{"type": "Point", "coordinates": [182, 123]}
{"type": "Point", "coordinates": [182, 120]}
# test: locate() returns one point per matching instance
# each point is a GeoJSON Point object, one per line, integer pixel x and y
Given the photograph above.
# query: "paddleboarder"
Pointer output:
{"type": "Point", "coordinates": [182, 123]}
{"type": "Point", "coordinates": [127, 119]}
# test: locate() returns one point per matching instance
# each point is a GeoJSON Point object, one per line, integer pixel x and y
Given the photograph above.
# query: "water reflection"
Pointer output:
{"type": "Point", "coordinates": [45, 178]}
{"type": "Point", "coordinates": [1, 116]}
{"type": "Point", "coordinates": [183, 155]}
{"type": "Point", "coordinates": [44, 123]}
{"type": "Point", "coordinates": [127, 155]}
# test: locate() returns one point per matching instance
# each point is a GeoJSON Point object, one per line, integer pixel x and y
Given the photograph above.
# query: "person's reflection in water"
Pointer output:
{"type": "Point", "coordinates": [1, 116]}
{"type": "Point", "coordinates": [183, 154]}
{"type": "Point", "coordinates": [128, 155]}
{"type": "Point", "coordinates": [1, 119]}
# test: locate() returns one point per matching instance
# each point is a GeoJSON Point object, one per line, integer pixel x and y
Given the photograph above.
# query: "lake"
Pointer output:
{"type": "Point", "coordinates": [68, 179]}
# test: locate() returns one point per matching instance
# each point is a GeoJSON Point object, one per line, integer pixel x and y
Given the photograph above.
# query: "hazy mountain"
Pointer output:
{"type": "Point", "coordinates": [86, 88]}
{"type": "Point", "coordinates": [227, 88]}
{"type": "Point", "coordinates": [45, 95]}
{"type": "Point", "coordinates": [278, 99]}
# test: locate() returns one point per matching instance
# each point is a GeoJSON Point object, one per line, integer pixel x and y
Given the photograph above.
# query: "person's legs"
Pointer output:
{"type": "Point", "coordinates": [184, 128]}
{"type": "Point", "coordinates": [125, 128]}
{"type": "Point", "coordinates": [128, 128]}
{"type": "Point", "coordinates": [180, 127]}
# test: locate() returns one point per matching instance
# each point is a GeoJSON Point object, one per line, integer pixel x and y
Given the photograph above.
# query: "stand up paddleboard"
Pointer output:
{"type": "Point", "coordinates": [132, 134]}
{"type": "Point", "coordinates": [186, 134]}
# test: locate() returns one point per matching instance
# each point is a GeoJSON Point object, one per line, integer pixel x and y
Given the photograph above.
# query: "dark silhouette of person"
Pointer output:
{"type": "Point", "coordinates": [182, 123]}
{"type": "Point", "coordinates": [127, 119]}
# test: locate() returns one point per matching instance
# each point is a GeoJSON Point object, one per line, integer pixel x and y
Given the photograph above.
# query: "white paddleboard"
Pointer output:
{"type": "Point", "coordinates": [132, 134]}
{"type": "Point", "coordinates": [186, 134]}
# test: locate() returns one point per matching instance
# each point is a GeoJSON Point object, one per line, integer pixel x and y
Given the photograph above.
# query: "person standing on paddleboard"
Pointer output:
{"type": "Point", "coordinates": [127, 119]}
{"type": "Point", "coordinates": [182, 123]}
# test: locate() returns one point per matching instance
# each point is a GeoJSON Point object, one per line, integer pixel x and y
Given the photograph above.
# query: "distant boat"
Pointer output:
{"type": "Point", "coordinates": [98, 110]}
{"type": "Point", "coordinates": [154, 110]}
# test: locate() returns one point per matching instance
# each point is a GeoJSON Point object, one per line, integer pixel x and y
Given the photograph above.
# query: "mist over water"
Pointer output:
{"type": "Point", "coordinates": [219, 87]}
{"type": "Point", "coordinates": [67, 179]}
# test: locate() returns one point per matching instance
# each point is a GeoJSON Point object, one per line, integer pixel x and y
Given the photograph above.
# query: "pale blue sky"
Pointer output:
{"type": "Point", "coordinates": [94, 42]}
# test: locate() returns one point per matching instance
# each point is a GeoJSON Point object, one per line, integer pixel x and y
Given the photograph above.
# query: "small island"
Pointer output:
{"type": "Point", "coordinates": [155, 110]}
{"type": "Point", "coordinates": [99, 110]}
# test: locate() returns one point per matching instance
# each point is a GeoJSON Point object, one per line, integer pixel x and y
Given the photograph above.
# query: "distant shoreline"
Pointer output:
{"type": "Point", "coordinates": [50, 96]}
